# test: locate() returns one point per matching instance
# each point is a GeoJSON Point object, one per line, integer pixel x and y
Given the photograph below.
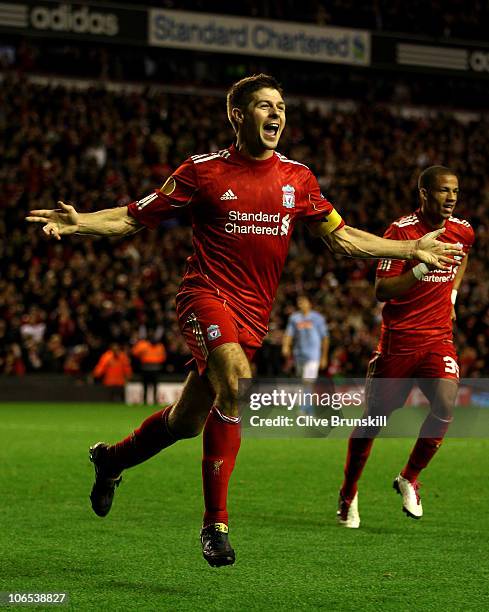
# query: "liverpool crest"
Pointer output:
{"type": "Point", "coordinates": [288, 196]}
{"type": "Point", "coordinates": [213, 332]}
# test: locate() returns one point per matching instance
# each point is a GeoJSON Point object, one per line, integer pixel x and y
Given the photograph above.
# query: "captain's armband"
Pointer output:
{"type": "Point", "coordinates": [327, 224]}
{"type": "Point", "coordinates": [168, 186]}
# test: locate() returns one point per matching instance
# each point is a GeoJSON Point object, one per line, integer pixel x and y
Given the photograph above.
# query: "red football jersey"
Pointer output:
{"type": "Point", "coordinates": [243, 214]}
{"type": "Point", "coordinates": [420, 316]}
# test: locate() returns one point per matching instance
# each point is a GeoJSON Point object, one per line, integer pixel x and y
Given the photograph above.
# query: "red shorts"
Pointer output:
{"type": "Point", "coordinates": [390, 378]}
{"type": "Point", "coordinates": [206, 322]}
{"type": "Point", "coordinates": [436, 361]}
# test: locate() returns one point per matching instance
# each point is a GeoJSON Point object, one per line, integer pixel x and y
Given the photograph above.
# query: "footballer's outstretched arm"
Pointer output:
{"type": "Point", "coordinates": [353, 242]}
{"type": "Point", "coordinates": [66, 220]}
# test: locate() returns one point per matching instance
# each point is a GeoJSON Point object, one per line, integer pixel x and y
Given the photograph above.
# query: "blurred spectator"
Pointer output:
{"type": "Point", "coordinates": [114, 369]}
{"type": "Point", "coordinates": [151, 355]}
{"type": "Point", "coordinates": [32, 356]}
{"type": "Point", "coordinates": [54, 356]}
{"type": "Point", "coordinates": [75, 361]}
{"type": "Point", "coordinates": [13, 364]}
{"type": "Point", "coordinates": [33, 325]}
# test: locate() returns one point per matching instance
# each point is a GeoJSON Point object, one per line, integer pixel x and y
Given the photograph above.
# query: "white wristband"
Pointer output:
{"type": "Point", "coordinates": [420, 270]}
{"type": "Point", "coordinates": [453, 297]}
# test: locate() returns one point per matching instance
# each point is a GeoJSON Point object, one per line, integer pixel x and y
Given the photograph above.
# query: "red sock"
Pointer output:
{"type": "Point", "coordinates": [149, 439]}
{"type": "Point", "coordinates": [429, 441]}
{"type": "Point", "coordinates": [358, 453]}
{"type": "Point", "coordinates": [222, 439]}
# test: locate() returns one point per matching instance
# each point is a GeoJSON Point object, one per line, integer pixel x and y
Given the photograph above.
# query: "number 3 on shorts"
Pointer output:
{"type": "Point", "coordinates": [451, 366]}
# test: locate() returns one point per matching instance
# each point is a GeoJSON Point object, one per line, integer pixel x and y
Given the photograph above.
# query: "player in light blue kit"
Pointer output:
{"type": "Point", "coordinates": [308, 334]}
{"type": "Point", "coordinates": [307, 339]}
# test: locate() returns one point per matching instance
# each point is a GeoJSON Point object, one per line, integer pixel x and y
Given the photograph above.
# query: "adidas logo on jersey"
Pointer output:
{"type": "Point", "coordinates": [229, 195]}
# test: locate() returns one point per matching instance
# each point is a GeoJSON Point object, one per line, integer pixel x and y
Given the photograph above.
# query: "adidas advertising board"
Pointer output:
{"type": "Point", "coordinates": [83, 21]}
{"type": "Point", "coordinates": [431, 55]}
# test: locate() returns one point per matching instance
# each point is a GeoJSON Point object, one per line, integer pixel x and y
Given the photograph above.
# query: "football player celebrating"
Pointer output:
{"type": "Point", "coordinates": [415, 343]}
{"type": "Point", "coordinates": [244, 202]}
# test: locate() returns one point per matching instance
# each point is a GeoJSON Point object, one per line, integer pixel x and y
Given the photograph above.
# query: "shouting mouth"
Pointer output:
{"type": "Point", "coordinates": [271, 130]}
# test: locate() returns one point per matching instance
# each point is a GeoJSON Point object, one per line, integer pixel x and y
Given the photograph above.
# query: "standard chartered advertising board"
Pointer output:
{"type": "Point", "coordinates": [201, 31]}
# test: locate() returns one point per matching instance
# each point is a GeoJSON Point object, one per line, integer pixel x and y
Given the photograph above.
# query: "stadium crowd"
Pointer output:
{"type": "Point", "coordinates": [63, 303]}
{"type": "Point", "coordinates": [197, 70]}
{"type": "Point", "coordinates": [447, 18]}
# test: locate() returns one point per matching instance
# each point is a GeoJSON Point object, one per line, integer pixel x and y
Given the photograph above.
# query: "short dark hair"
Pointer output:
{"type": "Point", "coordinates": [239, 94]}
{"type": "Point", "coordinates": [427, 178]}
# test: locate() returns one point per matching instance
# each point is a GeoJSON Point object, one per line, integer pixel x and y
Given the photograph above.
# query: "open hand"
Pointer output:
{"type": "Point", "coordinates": [58, 222]}
{"type": "Point", "coordinates": [437, 255]}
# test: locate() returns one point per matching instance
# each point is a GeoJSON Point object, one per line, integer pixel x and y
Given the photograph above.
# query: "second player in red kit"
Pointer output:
{"type": "Point", "coordinates": [416, 342]}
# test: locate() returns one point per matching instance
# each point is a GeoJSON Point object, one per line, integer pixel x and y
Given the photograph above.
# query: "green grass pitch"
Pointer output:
{"type": "Point", "coordinates": [290, 553]}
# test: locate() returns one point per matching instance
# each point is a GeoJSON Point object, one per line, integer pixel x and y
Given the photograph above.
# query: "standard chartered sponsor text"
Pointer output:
{"type": "Point", "coordinates": [232, 227]}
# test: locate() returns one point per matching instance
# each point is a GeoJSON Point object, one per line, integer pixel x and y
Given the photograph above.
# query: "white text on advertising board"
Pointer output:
{"type": "Point", "coordinates": [186, 30]}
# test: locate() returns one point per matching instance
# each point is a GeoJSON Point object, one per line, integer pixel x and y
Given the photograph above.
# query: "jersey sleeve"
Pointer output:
{"type": "Point", "coordinates": [158, 206]}
{"type": "Point", "coordinates": [391, 267]}
{"type": "Point", "coordinates": [318, 208]}
{"type": "Point", "coordinates": [469, 238]}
